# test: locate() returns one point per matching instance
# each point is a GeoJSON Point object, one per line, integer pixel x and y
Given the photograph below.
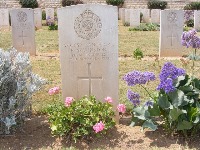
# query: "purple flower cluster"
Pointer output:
{"type": "Point", "coordinates": [188, 14]}
{"type": "Point", "coordinates": [137, 77]}
{"type": "Point", "coordinates": [168, 74]}
{"type": "Point", "coordinates": [189, 39]}
{"type": "Point", "coordinates": [148, 103]}
{"type": "Point", "coordinates": [133, 97]}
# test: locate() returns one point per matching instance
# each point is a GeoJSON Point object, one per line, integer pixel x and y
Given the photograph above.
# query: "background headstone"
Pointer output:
{"type": "Point", "coordinates": [197, 20]}
{"type": "Point", "coordinates": [127, 16]}
{"type": "Point", "coordinates": [49, 15]}
{"type": "Point", "coordinates": [38, 18]}
{"type": "Point", "coordinates": [171, 29]}
{"type": "Point", "coordinates": [4, 19]}
{"type": "Point", "coordinates": [134, 17]}
{"type": "Point", "coordinates": [120, 13]}
{"type": "Point", "coordinates": [146, 15]}
{"type": "Point", "coordinates": [23, 30]}
{"type": "Point", "coordinates": [88, 46]}
{"type": "Point", "coordinates": [155, 16]}
{"type": "Point", "coordinates": [123, 15]}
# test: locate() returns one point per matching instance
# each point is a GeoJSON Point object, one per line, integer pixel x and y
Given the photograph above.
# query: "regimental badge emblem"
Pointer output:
{"type": "Point", "coordinates": [87, 25]}
{"type": "Point", "coordinates": [21, 16]}
{"type": "Point", "coordinates": [172, 17]}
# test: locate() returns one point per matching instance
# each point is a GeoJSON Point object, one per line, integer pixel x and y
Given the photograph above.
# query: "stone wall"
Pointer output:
{"type": "Point", "coordinates": [176, 4]}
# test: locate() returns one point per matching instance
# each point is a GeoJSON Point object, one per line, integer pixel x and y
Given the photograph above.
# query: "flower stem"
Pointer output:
{"type": "Point", "coordinates": [193, 61]}
{"type": "Point", "coordinates": [146, 91]}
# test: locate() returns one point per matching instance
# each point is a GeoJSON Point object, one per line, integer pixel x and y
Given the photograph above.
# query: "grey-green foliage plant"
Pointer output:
{"type": "Point", "coordinates": [17, 85]}
{"type": "Point", "coordinates": [28, 3]}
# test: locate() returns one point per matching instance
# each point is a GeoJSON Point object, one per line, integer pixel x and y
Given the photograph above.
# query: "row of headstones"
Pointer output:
{"type": "Point", "coordinates": [132, 16]}
{"type": "Point", "coordinates": [88, 44]}
{"type": "Point", "coordinates": [37, 13]}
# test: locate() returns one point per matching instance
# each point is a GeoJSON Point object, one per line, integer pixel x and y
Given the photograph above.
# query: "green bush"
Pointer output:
{"type": "Point", "coordinates": [156, 4]}
{"type": "Point", "coordinates": [77, 119]}
{"type": "Point", "coordinates": [190, 23]}
{"type": "Point", "coordinates": [192, 6]}
{"type": "Point", "coordinates": [115, 2]}
{"type": "Point", "coordinates": [53, 27]}
{"type": "Point", "coordinates": [137, 53]}
{"type": "Point", "coordinates": [71, 2]}
{"type": "Point", "coordinates": [43, 15]}
{"type": "Point", "coordinates": [28, 3]}
{"type": "Point", "coordinates": [146, 27]}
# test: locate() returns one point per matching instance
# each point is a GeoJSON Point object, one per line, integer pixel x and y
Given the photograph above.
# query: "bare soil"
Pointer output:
{"type": "Point", "coordinates": [35, 134]}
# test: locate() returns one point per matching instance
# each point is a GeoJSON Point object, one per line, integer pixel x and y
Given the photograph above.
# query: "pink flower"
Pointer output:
{"type": "Point", "coordinates": [121, 108]}
{"type": "Point", "coordinates": [109, 99]}
{"type": "Point", "coordinates": [68, 101]}
{"type": "Point", "coordinates": [98, 127]}
{"type": "Point", "coordinates": [54, 90]}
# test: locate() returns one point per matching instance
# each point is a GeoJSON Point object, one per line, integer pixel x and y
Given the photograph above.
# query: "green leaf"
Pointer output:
{"type": "Point", "coordinates": [155, 111]}
{"type": "Point", "coordinates": [141, 113]}
{"type": "Point", "coordinates": [163, 102]}
{"type": "Point", "coordinates": [175, 113]}
{"type": "Point", "coordinates": [180, 81]}
{"type": "Point", "coordinates": [177, 98]}
{"type": "Point", "coordinates": [184, 125]}
{"type": "Point", "coordinates": [149, 124]}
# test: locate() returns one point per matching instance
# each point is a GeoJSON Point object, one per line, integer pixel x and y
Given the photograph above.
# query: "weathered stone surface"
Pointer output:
{"type": "Point", "coordinates": [38, 18]}
{"type": "Point", "coordinates": [127, 16]}
{"type": "Point", "coordinates": [134, 17]}
{"type": "Point", "coordinates": [123, 15]}
{"type": "Point", "coordinates": [50, 15]}
{"type": "Point", "coordinates": [155, 16]}
{"type": "Point", "coordinates": [197, 20]}
{"type": "Point", "coordinates": [146, 15]}
{"type": "Point", "coordinates": [88, 46]}
{"type": "Point", "coordinates": [171, 29]}
{"type": "Point", "coordinates": [23, 30]}
{"type": "Point", "coordinates": [4, 19]}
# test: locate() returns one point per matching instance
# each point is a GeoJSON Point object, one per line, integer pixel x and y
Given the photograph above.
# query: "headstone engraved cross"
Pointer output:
{"type": "Point", "coordinates": [22, 36]}
{"type": "Point", "coordinates": [171, 29]}
{"type": "Point", "coordinates": [23, 30]}
{"type": "Point", "coordinates": [90, 78]}
{"type": "Point", "coordinates": [172, 37]}
{"type": "Point", "coordinates": [88, 46]}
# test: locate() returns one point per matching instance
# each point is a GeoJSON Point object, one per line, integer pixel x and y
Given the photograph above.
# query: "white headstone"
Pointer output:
{"type": "Point", "coordinates": [120, 13]}
{"type": "Point", "coordinates": [127, 16]}
{"type": "Point", "coordinates": [38, 18]}
{"type": "Point", "coordinates": [171, 29]}
{"type": "Point", "coordinates": [88, 46]}
{"type": "Point", "coordinates": [49, 15]}
{"type": "Point", "coordinates": [23, 30]}
{"type": "Point", "coordinates": [4, 19]}
{"type": "Point", "coordinates": [123, 15]}
{"type": "Point", "coordinates": [197, 20]}
{"type": "Point", "coordinates": [146, 15]}
{"type": "Point", "coordinates": [134, 17]}
{"type": "Point", "coordinates": [155, 16]}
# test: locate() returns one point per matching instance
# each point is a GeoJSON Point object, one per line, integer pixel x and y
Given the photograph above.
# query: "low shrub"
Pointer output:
{"type": "Point", "coordinates": [157, 4]}
{"type": "Point", "coordinates": [115, 2]}
{"type": "Point", "coordinates": [43, 15]}
{"type": "Point", "coordinates": [126, 24]}
{"type": "Point", "coordinates": [71, 2]}
{"type": "Point", "coordinates": [137, 53]}
{"type": "Point", "coordinates": [192, 6]}
{"type": "Point", "coordinates": [28, 3]}
{"type": "Point", "coordinates": [53, 27]}
{"type": "Point", "coordinates": [17, 85]}
{"type": "Point", "coordinates": [146, 27]}
{"type": "Point", "coordinates": [190, 23]}
{"type": "Point", "coordinates": [81, 118]}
